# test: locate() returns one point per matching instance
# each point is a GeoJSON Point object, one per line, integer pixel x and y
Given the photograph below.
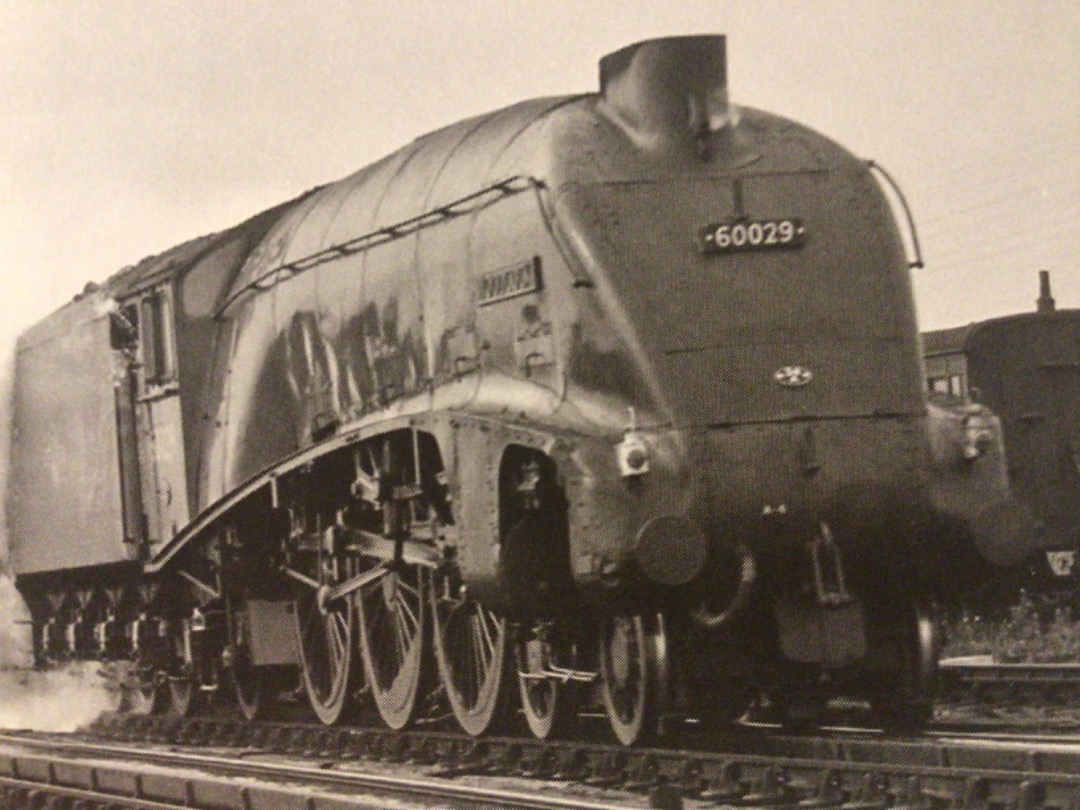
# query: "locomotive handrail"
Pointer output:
{"type": "Point", "coordinates": [498, 190]}
{"type": "Point", "coordinates": [917, 261]}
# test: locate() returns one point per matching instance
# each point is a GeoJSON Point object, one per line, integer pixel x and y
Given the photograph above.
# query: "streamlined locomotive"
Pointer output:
{"type": "Point", "coordinates": [618, 396]}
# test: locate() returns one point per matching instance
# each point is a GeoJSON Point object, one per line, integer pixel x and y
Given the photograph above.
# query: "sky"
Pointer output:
{"type": "Point", "coordinates": [129, 126]}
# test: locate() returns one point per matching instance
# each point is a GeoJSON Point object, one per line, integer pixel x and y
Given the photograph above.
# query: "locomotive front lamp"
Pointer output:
{"type": "Point", "coordinates": [633, 456]}
{"type": "Point", "coordinates": [632, 452]}
{"type": "Point", "coordinates": [978, 436]}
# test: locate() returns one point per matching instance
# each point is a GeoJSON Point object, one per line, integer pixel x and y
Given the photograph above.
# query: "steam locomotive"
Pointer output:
{"type": "Point", "coordinates": [618, 396]}
{"type": "Point", "coordinates": [1026, 368]}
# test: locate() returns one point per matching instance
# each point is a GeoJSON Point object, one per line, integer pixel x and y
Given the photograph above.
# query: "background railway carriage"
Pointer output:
{"type": "Point", "coordinates": [1026, 368]}
{"type": "Point", "coordinates": [619, 396]}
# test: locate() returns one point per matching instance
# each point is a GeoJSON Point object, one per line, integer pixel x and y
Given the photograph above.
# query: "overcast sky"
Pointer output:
{"type": "Point", "coordinates": [128, 127]}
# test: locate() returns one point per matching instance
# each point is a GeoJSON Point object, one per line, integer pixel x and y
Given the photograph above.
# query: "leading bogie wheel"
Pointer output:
{"type": "Point", "coordinates": [470, 644]}
{"type": "Point", "coordinates": [634, 684]}
{"type": "Point", "coordinates": [144, 693]}
{"type": "Point", "coordinates": [185, 698]}
{"type": "Point", "coordinates": [391, 622]}
{"type": "Point", "coordinates": [545, 657]}
{"type": "Point", "coordinates": [143, 686]}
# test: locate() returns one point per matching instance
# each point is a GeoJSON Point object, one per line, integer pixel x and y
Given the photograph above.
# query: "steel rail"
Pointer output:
{"type": "Point", "coordinates": [41, 773]}
{"type": "Point", "coordinates": [1056, 685]}
{"type": "Point", "coordinates": [24, 793]}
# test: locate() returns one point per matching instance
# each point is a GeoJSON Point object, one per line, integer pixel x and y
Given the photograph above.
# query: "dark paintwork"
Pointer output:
{"type": "Point", "coordinates": [64, 496]}
{"type": "Point", "coordinates": [290, 347]}
{"type": "Point", "coordinates": [1026, 368]}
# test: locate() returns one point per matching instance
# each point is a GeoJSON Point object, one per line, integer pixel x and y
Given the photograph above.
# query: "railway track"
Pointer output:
{"type": "Point", "coordinates": [54, 772]}
{"type": "Point", "coordinates": [231, 764]}
{"type": "Point", "coordinates": [977, 689]}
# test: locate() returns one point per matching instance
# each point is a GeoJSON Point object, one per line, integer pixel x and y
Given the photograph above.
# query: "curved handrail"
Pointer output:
{"type": "Point", "coordinates": [917, 261]}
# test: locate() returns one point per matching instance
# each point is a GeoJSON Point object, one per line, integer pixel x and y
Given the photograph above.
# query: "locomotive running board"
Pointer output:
{"type": "Point", "coordinates": [267, 479]}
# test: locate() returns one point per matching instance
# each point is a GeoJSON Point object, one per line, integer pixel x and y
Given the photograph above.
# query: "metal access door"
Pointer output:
{"type": "Point", "coordinates": [158, 422]}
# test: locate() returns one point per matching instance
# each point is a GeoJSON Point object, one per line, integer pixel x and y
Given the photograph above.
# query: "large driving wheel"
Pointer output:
{"type": "Point", "coordinates": [470, 650]}
{"type": "Point", "coordinates": [545, 659]}
{"type": "Point", "coordinates": [633, 663]}
{"type": "Point", "coordinates": [715, 674]}
{"type": "Point", "coordinates": [325, 636]}
{"type": "Point", "coordinates": [390, 613]}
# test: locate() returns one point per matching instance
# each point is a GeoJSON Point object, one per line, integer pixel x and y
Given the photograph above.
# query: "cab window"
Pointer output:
{"type": "Point", "coordinates": [156, 337]}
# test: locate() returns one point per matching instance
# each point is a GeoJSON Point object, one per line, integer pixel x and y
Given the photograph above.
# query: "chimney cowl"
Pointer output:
{"type": "Point", "coordinates": [669, 91]}
{"type": "Point", "coordinates": [1045, 302]}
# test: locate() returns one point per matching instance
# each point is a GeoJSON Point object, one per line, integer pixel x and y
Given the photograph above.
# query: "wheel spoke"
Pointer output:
{"type": "Point", "coordinates": [325, 644]}
{"type": "Point", "coordinates": [630, 675]}
{"type": "Point", "coordinates": [476, 659]}
{"type": "Point", "coordinates": [470, 654]}
{"type": "Point", "coordinates": [406, 609]}
{"type": "Point", "coordinates": [488, 642]}
{"type": "Point", "coordinates": [392, 646]}
{"type": "Point", "coordinates": [547, 703]}
{"type": "Point", "coordinates": [339, 633]}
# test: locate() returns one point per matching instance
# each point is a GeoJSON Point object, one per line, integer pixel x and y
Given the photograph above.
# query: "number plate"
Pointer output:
{"type": "Point", "coordinates": [736, 236]}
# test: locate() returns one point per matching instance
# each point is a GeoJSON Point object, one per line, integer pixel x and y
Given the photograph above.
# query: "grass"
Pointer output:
{"type": "Point", "coordinates": [1032, 632]}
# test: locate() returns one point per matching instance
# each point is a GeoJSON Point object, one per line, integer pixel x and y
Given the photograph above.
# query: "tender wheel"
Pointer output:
{"type": "Point", "coordinates": [548, 702]}
{"type": "Point", "coordinates": [325, 636]}
{"type": "Point", "coordinates": [633, 663]}
{"type": "Point", "coordinates": [390, 613]}
{"type": "Point", "coordinates": [143, 694]}
{"type": "Point", "coordinates": [470, 650]}
{"type": "Point", "coordinates": [184, 696]}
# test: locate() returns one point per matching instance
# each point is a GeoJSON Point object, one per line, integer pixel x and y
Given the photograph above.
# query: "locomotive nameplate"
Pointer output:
{"type": "Point", "coordinates": [739, 235]}
{"type": "Point", "coordinates": [509, 282]}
